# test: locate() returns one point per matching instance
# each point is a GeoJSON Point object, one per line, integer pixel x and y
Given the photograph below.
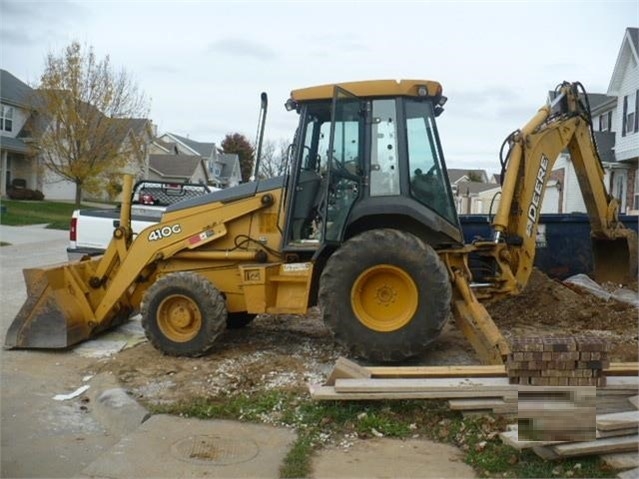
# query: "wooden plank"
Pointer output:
{"type": "Point", "coordinates": [471, 404]}
{"type": "Point", "coordinates": [328, 393]}
{"type": "Point", "coordinates": [622, 369]}
{"type": "Point", "coordinates": [498, 386]}
{"type": "Point", "coordinates": [438, 371]}
{"type": "Point", "coordinates": [599, 446]}
{"type": "Point", "coordinates": [507, 408]}
{"type": "Point", "coordinates": [477, 370]}
{"type": "Point", "coordinates": [630, 474]}
{"type": "Point", "coordinates": [622, 382]}
{"type": "Point", "coordinates": [621, 460]}
{"type": "Point", "coordinates": [618, 420]}
{"type": "Point", "coordinates": [545, 453]}
{"type": "Point", "coordinates": [345, 368]}
{"type": "Point", "coordinates": [511, 438]}
{"type": "Point", "coordinates": [617, 432]}
{"type": "Point", "coordinates": [634, 400]}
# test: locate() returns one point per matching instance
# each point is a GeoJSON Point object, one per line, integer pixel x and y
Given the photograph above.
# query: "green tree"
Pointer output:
{"type": "Point", "coordinates": [240, 145]}
{"type": "Point", "coordinates": [85, 116]}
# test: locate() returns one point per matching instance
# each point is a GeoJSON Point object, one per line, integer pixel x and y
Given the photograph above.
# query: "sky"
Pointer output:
{"type": "Point", "coordinates": [203, 64]}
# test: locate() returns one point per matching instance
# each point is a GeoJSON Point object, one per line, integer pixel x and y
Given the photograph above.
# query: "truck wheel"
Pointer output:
{"type": "Point", "coordinates": [239, 320]}
{"type": "Point", "coordinates": [183, 314]}
{"type": "Point", "coordinates": [385, 295]}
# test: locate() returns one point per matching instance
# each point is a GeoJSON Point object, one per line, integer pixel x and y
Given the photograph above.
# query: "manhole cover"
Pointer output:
{"type": "Point", "coordinates": [214, 450]}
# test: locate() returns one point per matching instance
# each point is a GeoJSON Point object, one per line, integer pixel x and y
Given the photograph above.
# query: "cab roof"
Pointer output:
{"type": "Point", "coordinates": [369, 88]}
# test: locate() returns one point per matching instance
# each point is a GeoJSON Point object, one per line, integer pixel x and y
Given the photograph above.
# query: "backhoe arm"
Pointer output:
{"type": "Point", "coordinates": [560, 126]}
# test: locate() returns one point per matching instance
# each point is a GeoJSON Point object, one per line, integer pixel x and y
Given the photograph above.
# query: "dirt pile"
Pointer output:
{"type": "Point", "coordinates": [547, 306]}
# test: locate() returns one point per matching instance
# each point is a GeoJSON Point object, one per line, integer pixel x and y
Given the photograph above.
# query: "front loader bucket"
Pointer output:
{"type": "Point", "coordinates": [615, 260]}
{"type": "Point", "coordinates": [57, 313]}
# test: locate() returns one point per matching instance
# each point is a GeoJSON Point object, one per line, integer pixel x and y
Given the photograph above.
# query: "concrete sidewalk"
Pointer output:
{"type": "Point", "coordinates": [16, 235]}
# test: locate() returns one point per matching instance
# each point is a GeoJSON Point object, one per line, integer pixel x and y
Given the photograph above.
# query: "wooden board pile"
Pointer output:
{"type": "Point", "coordinates": [470, 389]}
{"type": "Point", "coordinates": [558, 361]}
{"type": "Point", "coordinates": [616, 438]}
{"type": "Point", "coordinates": [482, 389]}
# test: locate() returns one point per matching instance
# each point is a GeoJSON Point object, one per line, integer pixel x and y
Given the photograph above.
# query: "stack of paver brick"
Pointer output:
{"type": "Point", "coordinates": [558, 361]}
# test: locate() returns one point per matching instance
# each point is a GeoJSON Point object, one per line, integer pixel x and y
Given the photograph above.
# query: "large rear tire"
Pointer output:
{"type": "Point", "coordinates": [183, 314]}
{"type": "Point", "coordinates": [385, 295]}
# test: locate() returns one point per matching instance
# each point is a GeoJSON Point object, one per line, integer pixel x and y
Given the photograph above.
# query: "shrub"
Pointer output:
{"type": "Point", "coordinates": [25, 194]}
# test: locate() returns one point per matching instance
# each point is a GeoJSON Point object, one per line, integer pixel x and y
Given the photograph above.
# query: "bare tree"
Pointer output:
{"type": "Point", "coordinates": [273, 161]}
{"type": "Point", "coordinates": [88, 117]}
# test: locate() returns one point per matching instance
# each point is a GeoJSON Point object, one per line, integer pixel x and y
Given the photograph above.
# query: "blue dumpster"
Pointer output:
{"type": "Point", "coordinates": [563, 241]}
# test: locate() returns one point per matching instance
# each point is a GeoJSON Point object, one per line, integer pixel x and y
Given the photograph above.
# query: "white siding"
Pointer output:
{"type": "Point", "coordinates": [573, 201]}
{"type": "Point", "coordinates": [627, 147]}
{"type": "Point", "coordinates": [550, 202]}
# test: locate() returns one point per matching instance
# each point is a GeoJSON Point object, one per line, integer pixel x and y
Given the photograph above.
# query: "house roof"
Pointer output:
{"type": "Point", "coordinates": [456, 174]}
{"type": "Point", "coordinates": [629, 49]}
{"type": "Point", "coordinates": [175, 166]}
{"type": "Point", "coordinates": [13, 144]}
{"type": "Point", "coordinates": [14, 91]}
{"type": "Point", "coordinates": [474, 187]}
{"type": "Point", "coordinates": [169, 146]}
{"type": "Point", "coordinates": [599, 101]}
{"type": "Point", "coordinates": [204, 149]}
{"type": "Point", "coordinates": [605, 145]}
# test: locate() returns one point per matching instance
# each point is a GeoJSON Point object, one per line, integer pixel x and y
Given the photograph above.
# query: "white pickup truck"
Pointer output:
{"type": "Point", "coordinates": [91, 229]}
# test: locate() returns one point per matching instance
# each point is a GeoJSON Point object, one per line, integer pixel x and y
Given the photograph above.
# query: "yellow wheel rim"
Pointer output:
{"type": "Point", "coordinates": [384, 298]}
{"type": "Point", "coordinates": [179, 318]}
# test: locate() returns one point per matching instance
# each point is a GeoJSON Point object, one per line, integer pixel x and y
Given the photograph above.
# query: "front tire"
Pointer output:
{"type": "Point", "coordinates": [183, 314]}
{"type": "Point", "coordinates": [385, 295]}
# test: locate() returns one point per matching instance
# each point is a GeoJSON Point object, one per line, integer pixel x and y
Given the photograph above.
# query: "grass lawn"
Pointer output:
{"type": "Point", "coordinates": [21, 212]}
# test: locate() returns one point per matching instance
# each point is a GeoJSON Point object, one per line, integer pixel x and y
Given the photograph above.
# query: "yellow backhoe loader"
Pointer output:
{"type": "Point", "coordinates": [363, 224]}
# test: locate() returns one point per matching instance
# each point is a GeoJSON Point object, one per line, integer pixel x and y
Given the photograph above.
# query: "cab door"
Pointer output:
{"type": "Point", "coordinates": [345, 172]}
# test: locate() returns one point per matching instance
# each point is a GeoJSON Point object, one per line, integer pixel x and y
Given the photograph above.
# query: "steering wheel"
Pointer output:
{"type": "Point", "coordinates": [344, 172]}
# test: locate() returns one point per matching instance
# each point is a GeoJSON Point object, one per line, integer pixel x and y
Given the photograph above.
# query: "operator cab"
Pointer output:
{"type": "Point", "coordinates": [368, 152]}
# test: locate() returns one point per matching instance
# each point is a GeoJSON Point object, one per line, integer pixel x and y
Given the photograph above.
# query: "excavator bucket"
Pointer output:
{"type": "Point", "coordinates": [57, 313]}
{"type": "Point", "coordinates": [615, 260]}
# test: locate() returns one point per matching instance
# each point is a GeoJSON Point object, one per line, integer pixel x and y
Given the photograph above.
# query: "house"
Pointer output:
{"type": "Point", "coordinates": [178, 168]}
{"type": "Point", "coordinates": [474, 191]}
{"type": "Point", "coordinates": [457, 175]}
{"type": "Point", "coordinates": [624, 85]}
{"type": "Point", "coordinates": [473, 197]}
{"type": "Point", "coordinates": [17, 156]}
{"type": "Point", "coordinates": [614, 117]}
{"type": "Point", "coordinates": [20, 158]}
{"type": "Point", "coordinates": [223, 168]}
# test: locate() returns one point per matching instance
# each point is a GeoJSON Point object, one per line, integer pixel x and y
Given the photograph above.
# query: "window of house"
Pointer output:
{"type": "Point", "coordinates": [6, 118]}
{"type": "Point", "coordinates": [635, 202]}
{"type": "Point", "coordinates": [605, 121]}
{"type": "Point", "coordinates": [630, 113]}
